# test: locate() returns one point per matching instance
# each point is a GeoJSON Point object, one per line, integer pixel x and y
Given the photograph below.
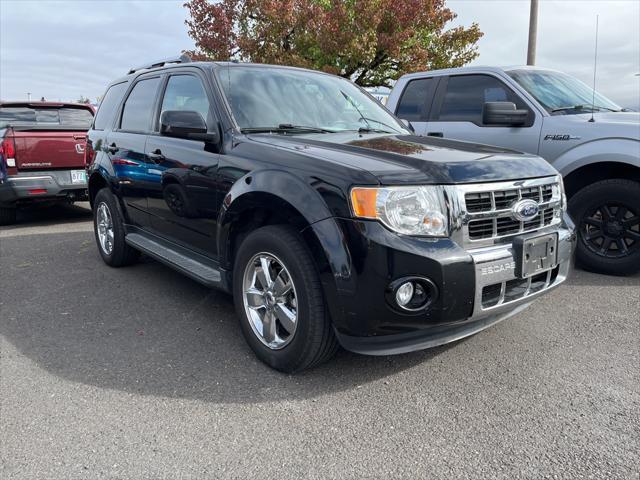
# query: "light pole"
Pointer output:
{"type": "Point", "coordinates": [29, 96]}
{"type": "Point", "coordinates": [533, 33]}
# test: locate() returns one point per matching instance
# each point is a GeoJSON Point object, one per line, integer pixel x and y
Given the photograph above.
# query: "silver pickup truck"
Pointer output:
{"type": "Point", "coordinates": [593, 142]}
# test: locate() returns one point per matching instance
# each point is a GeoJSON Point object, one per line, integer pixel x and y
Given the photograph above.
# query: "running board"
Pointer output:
{"type": "Point", "coordinates": [194, 265]}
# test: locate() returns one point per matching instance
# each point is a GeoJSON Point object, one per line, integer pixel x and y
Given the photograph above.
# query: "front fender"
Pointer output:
{"type": "Point", "coordinates": [282, 191]}
{"type": "Point", "coordinates": [274, 189]}
{"type": "Point", "coordinates": [620, 150]}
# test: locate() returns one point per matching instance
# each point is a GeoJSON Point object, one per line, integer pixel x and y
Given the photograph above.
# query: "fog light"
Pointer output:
{"type": "Point", "coordinates": [404, 293]}
{"type": "Point", "coordinates": [411, 294]}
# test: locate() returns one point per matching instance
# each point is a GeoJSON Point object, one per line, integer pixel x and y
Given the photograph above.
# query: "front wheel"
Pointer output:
{"type": "Point", "coordinates": [607, 214]}
{"type": "Point", "coordinates": [280, 302]}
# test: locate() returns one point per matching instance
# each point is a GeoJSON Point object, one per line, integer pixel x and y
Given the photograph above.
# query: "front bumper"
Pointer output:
{"type": "Point", "coordinates": [38, 186]}
{"type": "Point", "coordinates": [365, 322]}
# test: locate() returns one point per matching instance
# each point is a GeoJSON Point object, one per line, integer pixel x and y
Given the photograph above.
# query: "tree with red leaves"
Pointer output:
{"type": "Point", "coordinates": [369, 41]}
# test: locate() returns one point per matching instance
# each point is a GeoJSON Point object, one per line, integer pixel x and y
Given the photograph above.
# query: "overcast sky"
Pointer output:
{"type": "Point", "coordinates": [65, 49]}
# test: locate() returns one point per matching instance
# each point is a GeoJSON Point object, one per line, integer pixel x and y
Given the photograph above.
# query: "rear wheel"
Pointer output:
{"type": "Point", "coordinates": [7, 215]}
{"type": "Point", "coordinates": [279, 300]}
{"type": "Point", "coordinates": [109, 231]}
{"type": "Point", "coordinates": [608, 217]}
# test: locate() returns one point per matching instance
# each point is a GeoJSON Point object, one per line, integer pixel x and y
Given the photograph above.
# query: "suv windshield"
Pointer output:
{"type": "Point", "coordinates": [299, 101]}
{"type": "Point", "coordinates": [561, 94]}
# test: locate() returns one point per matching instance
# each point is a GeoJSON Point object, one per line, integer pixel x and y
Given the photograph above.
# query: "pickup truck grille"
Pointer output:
{"type": "Point", "coordinates": [488, 208]}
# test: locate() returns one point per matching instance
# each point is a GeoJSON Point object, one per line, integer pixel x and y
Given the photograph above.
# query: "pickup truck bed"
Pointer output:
{"type": "Point", "coordinates": [41, 154]}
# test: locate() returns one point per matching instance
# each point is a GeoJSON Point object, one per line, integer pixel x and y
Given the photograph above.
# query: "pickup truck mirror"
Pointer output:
{"type": "Point", "coordinates": [186, 124]}
{"type": "Point", "coordinates": [503, 113]}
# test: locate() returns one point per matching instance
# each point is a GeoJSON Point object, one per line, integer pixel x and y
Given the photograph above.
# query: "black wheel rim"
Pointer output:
{"type": "Point", "coordinates": [612, 230]}
{"type": "Point", "coordinates": [176, 204]}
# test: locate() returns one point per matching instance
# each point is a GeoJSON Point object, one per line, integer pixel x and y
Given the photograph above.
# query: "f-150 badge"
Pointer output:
{"type": "Point", "coordinates": [561, 137]}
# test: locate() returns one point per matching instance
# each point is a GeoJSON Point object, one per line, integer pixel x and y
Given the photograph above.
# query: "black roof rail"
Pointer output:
{"type": "Point", "coordinates": [184, 58]}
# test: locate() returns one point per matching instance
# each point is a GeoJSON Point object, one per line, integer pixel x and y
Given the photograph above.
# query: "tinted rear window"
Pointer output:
{"type": "Point", "coordinates": [412, 105]}
{"type": "Point", "coordinates": [138, 108]}
{"type": "Point", "coordinates": [109, 105]}
{"type": "Point", "coordinates": [62, 116]}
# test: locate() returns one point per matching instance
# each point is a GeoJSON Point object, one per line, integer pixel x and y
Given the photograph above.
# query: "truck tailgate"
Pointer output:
{"type": "Point", "coordinates": [37, 149]}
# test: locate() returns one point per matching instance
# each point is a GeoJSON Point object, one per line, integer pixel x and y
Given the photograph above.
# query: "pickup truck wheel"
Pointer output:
{"type": "Point", "coordinates": [109, 231]}
{"type": "Point", "coordinates": [7, 216]}
{"type": "Point", "coordinates": [608, 217]}
{"type": "Point", "coordinates": [279, 300]}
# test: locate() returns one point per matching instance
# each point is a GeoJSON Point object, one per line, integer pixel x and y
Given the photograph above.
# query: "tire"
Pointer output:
{"type": "Point", "coordinates": [119, 253]}
{"type": "Point", "coordinates": [309, 340]}
{"type": "Point", "coordinates": [607, 215]}
{"type": "Point", "coordinates": [7, 215]}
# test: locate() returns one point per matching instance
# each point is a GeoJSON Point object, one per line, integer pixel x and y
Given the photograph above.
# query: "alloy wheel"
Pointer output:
{"type": "Point", "coordinates": [270, 300]}
{"type": "Point", "coordinates": [104, 224]}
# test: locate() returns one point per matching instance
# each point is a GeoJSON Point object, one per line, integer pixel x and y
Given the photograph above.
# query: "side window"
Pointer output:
{"type": "Point", "coordinates": [185, 92]}
{"type": "Point", "coordinates": [109, 105]}
{"type": "Point", "coordinates": [412, 104]}
{"type": "Point", "coordinates": [466, 95]}
{"type": "Point", "coordinates": [138, 108]}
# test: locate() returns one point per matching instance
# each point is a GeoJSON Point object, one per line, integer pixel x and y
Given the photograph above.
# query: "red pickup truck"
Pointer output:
{"type": "Point", "coordinates": [42, 154]}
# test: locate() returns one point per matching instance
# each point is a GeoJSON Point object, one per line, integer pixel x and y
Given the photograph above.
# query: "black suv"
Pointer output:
{"type": "Point", "coordinates": [328, 220]}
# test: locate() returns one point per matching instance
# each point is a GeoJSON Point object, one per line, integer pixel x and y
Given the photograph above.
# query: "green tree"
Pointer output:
{"type": "Point", "coordinates": [373, 42]}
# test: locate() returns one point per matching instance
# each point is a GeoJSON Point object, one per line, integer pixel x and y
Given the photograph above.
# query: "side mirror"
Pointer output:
{"type": "Point", "coordinates": [503, 113]}
{"type": "Point", "coordinates": [186, 124]}
{"type": "Point", "coordinates": [407, 124]}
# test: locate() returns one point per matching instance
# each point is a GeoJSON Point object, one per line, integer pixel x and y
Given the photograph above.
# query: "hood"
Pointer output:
{"type": "Point", "coordinates": [410, 159]}
{"type": "Point", "coordinates": [605, 125]}
{"type": "Point", "coordinates": [632, 118]}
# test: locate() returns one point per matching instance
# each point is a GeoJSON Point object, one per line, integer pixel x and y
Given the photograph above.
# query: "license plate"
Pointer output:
{"type": "Point", "coordinates": [78, 176]}
{"type": "Point", "coordinates": [535, 254]}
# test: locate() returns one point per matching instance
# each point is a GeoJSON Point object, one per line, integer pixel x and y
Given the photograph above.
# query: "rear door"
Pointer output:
{"type": "Point", "coordinates": [415, 102]}
{"type": "Point", "coordinates": [126, 147]}
{"type": "Point", "coordinates": [456, 113]}
{"type": "Point", "coordinates": [183, 208]}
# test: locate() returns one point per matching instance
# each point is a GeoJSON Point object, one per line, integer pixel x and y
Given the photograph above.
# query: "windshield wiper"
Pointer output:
{"type": "Point", "coordinates": [373, 130]}
{"type": "Point", "coordinates": [582, 107]}
{"type": "Point", "coordinates": [286, 127]}
{"type": "Point", "coordinates": [367, 119]}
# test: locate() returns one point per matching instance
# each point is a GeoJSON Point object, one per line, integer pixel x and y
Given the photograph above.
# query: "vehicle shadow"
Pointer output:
{"type": "Point", "coordinates": [148, 330]}
{"type": "Point", "coordinates": [45, 215]}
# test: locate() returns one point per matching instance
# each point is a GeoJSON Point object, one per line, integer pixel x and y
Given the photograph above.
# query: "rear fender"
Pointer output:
{"type": "Point", "coordinates": [102, 175]}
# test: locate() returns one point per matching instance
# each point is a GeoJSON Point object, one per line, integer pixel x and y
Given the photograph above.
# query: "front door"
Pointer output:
{"type": "Point", "coordinates": [183, 206]}
{"type": "Point", "coordinates": [457, 113]}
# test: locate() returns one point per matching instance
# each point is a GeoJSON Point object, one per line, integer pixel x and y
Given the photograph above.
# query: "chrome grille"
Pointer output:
{"type": "Point", "coordinates": [488, 208]}
{"type": "Point", "coordinates": [517, 288]}
{"type": "Point", "coordinates": [484, 228]}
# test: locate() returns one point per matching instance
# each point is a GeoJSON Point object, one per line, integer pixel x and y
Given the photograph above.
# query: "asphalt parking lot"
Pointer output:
{"type": "Point", "coordinates": [142, 373]}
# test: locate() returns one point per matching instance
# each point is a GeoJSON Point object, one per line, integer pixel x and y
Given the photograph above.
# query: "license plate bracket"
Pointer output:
{"type": "Point", "coordinates": [535, 254]}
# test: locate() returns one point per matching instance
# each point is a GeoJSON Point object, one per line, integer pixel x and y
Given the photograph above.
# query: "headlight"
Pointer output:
{"type": "Point", "coordinates": [407, 210]}
{"type": "Point", "coordinates": [558, 194]}
{"type": "Point", "coordinates": [563, 195]}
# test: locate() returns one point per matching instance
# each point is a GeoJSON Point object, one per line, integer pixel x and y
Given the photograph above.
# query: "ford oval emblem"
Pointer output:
{"type": "Point", "coordinates": [525, 210]}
